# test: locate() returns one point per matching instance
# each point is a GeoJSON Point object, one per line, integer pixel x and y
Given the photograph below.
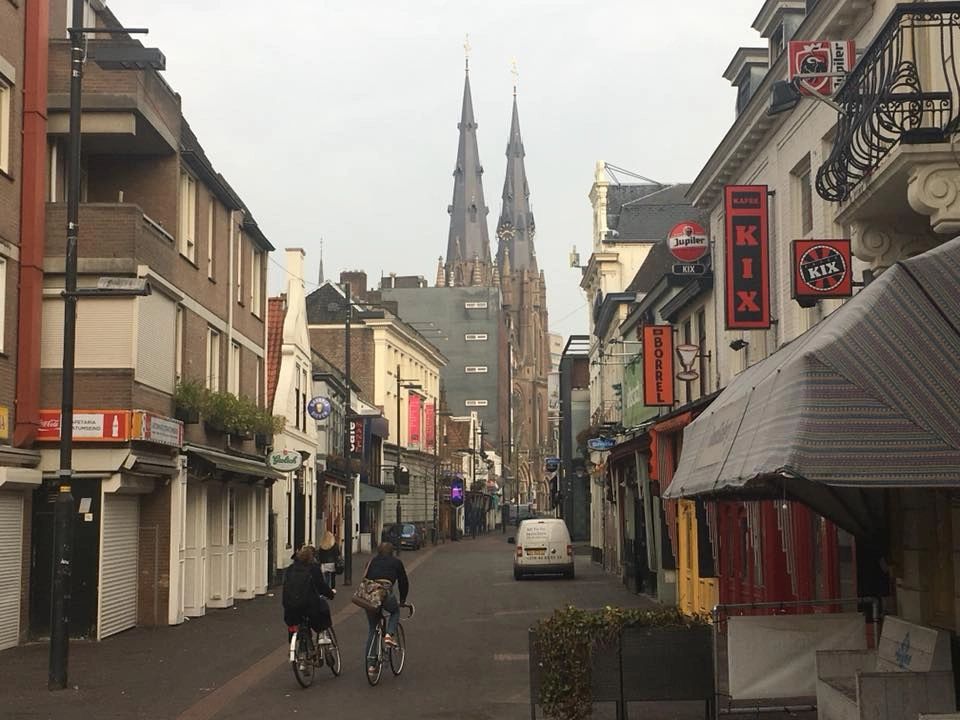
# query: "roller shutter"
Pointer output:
{"type": "Point", "coordinates": [118, 568]}
{"type": "Point", "coordinates": [11, 555]}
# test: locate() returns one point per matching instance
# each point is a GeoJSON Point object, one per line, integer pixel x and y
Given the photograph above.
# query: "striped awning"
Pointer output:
{"type": "Point", "coordinates": [867, 398]}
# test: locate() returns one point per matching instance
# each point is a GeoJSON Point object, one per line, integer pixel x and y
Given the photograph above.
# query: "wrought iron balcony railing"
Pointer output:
{"type": "Point", "coordinates": [905, 89]}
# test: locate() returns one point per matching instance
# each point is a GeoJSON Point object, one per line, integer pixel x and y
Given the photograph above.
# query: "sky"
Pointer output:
{"type": "Point", "coordinates": [338, 120]}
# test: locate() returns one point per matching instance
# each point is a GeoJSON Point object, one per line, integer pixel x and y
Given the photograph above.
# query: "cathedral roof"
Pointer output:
{"type": "Point", "coordinates": [516, 227]}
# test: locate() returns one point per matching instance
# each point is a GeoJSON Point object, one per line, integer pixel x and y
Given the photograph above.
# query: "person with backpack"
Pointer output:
{"type": "Point", "coordinates": [304, 592]}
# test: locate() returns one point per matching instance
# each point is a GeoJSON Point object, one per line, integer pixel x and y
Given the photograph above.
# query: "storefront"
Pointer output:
{"type": "Point", "coordinates": [17, 484]}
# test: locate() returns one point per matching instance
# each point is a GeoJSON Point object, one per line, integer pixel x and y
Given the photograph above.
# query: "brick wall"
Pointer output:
{"type": "Point", "coordinates": [93, 389]}
{"type": "Point", "coordinates": [153, 582]}
{"type": "Point", "coordinates": [329, 342]}
{"type": "Point", "coordinates": [150, 182]}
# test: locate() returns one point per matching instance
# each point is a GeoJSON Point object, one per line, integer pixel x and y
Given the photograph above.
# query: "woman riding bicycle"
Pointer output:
{"type": "Point", "coordinates": [304, 590]}
{"type": "Point", "coordinates": [388, 570]}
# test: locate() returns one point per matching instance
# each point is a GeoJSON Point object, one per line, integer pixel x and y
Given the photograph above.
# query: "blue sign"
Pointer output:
{"type": "Point", "coordinates": [601, 443]}
{"type": "Point", "coordinates": [456, 492]}
{"type": "Point", "coordinates": [551, 464]}
{"type": "Point", "coordinates": [319, 408]}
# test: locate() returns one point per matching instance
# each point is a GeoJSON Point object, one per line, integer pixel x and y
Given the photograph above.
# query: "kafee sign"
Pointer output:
{"type": "Point", "coordinates": [658, 365]}
{"type": "Point", "coordinates": [88, 425]}
{"type": "Point", "coordinates": [747, 264]}
{"type": "Point", "coordinates": [821, 269]}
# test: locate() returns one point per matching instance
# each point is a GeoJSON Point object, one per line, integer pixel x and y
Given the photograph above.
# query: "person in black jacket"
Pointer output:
{"type": "Point", "coordinates": [328, 553]}
{"type": "Point", "coordinates": [316, 608]}
{"type": "Point", "coordinates": [386, 568]}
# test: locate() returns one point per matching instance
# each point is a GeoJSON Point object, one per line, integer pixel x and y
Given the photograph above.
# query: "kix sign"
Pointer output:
{"type": "Point", "coordinates": [658, 365]}
{"type": "Point", "coordinates": [747, 265]}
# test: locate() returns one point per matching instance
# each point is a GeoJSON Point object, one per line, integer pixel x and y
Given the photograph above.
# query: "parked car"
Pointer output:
{"type": "Point", "coordinates": [519, 513]}
{"type": "Point", "coordinates": [543, 547]}
{"type": "Point", "coordinates": [402, 535]}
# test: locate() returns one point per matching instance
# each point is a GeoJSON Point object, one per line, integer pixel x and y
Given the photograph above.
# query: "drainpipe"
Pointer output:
{"type": "Point", "coordinates": [32, 222]}
{"type": "Point", "coordinates": [232, 291]}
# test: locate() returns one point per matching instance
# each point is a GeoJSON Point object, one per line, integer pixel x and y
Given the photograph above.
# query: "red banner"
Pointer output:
{"type": "Point", "coordinates": [658, 365]}
{"type": "Point", "coordinates": [747, 262]}
{"type": "Point", "coordinates": [413, 420]}
{"type": "Point", "coordinates": [429, 427]}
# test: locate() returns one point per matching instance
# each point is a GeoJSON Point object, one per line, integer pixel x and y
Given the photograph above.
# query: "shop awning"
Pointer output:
{"type": "Point", "coordinates": [368, 493]}
{"type": "Point", "coordinates": [868, 398]}
{"type": "Point", "coordinates": [253, 470]}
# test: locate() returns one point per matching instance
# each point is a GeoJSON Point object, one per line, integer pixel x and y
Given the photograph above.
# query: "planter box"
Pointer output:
{"type": "Point", "coordinates": [646, 664]}
{"type": "Point", "coordinates": [187, 417]}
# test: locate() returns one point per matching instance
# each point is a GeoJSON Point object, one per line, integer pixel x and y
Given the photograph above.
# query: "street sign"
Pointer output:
{"type": "Point", "coordinates": [601, 443]}
{"type": "Point", "coordinates": [319, 408]}
{"type": "Point", "coordinates": [690, 269]}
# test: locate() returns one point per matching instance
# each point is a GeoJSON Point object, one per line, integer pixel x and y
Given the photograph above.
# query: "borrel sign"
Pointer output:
{"type": "Point", "coordinates": [688, 242]}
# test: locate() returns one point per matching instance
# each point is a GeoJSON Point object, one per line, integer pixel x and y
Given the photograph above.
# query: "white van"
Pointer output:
{"type": "Point", "coordinates": [543, 546]}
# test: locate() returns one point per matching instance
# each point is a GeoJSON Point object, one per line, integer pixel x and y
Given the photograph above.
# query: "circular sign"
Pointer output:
{"type": "Point", "coordinates": [285, 460]}
{"type": "Point", "coordinates": [319, 408]}
{"type": "Point", "coordinates": [822, 268]}
{"type": "Point", "coordinates": [688, 242]}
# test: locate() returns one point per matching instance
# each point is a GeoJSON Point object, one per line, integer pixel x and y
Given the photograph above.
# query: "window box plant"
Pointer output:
{"type": "Point", "coordinates": [189, 398]}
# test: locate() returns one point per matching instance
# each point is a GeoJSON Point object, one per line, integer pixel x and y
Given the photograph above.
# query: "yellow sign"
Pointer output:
{"type": "Point", "coordinates": [4, 422]}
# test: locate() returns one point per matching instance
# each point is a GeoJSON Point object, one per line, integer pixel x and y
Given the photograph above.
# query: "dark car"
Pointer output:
{"type": "Point", "coordinates": [402, 535]}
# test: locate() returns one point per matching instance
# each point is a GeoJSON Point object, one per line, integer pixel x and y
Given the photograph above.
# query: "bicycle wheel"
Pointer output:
{"type": "Point", "coordinates": [332, 654]}
{"type": "Point", "coordinates": [373, 666]}
{"type": "Point", "coordinates": [398, 654]}
{"type": "Point", "coordinates": [304, 658]}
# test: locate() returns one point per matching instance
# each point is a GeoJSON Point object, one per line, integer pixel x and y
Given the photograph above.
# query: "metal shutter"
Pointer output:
{"type": "Point", "coordinates": [118, 564]}
{"type": "Point", "coordinates": [11, 551]}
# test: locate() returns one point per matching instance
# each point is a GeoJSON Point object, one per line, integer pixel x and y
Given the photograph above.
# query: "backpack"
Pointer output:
{"type": "Point", "coordinates": [297, 586]}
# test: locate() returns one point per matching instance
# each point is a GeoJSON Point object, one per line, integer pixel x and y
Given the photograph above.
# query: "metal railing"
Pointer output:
{"type": "Point", "coordinates": [905, 89]}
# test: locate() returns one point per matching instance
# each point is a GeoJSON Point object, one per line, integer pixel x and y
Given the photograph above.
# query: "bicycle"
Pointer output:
{"type": "Point", "coordinates": [307, 654]}
{"type": "Point", "coordinates": [397, 655]}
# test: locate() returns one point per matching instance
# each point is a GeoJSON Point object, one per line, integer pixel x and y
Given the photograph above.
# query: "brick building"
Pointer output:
{"type": "Point", "coordinates": [23, 97]}
{"type": "Point", "coordinates": [172, 516]}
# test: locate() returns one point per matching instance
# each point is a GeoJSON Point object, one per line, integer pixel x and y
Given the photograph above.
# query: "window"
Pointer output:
{"type": "Point", "coordinates": [234, 371]}
{"type": "Point", "coordinates": [188, 216]}
{"type": "Point", "coordinates": [210, 213]}
{"type": "Point", "coordinates": [3, 303]}
{"type": "Point", "coordinates": [475, 337]}
{"type": "Point", "coordinates": [256, 279]}
{"type": "Point", "coordinates": [239, 261]}
{"type": "Point", "coordinates": [475, 305]}
{"type": "Point", "coordinates": [803, 195]}
{"type": "Point", "coordinates": [213, 360]}
{"type": "Point", "coordinates": [256, 387]}
{"type": "Point", "coordinates": [178, 343]}
{"type": "Point", "coordinates": [303, 399]}
{"type": "Point", "coordinates": [475, 369]}
{"type": "Point", "coordinates": [296, 397]}
{"type": "Point", "coordinates": [6, 95]}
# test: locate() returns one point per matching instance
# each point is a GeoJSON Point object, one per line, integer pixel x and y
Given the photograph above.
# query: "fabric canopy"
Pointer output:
{"type": "Point", "coordinates": [867, 398]}
{"type": "Point", "coordinates": [369, 493]}
{"type": "Point", "coordinates": [234, 464]}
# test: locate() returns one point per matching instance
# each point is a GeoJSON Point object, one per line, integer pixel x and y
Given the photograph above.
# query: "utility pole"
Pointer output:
{"type": "Point", "coordinates": [347, 454]}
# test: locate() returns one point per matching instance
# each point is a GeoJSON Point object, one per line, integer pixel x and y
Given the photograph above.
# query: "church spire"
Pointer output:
{"type": "Point", "coordinates": [516, 227]}
{"type": "Point", "coordinates": [320, 274]}
{"type": "Point", "coordinates": [469, 236]}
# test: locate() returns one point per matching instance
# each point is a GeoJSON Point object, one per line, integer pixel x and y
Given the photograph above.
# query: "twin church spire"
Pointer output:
{"type": "Point", "coordinates": [468, 258]}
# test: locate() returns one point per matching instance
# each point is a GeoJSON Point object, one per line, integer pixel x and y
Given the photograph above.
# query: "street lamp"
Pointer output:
{"type": "Point", "coordinates": [111, 57]}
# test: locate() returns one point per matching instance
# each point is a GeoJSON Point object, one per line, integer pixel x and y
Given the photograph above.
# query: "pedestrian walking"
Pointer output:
{"type": "Point", "coordinates": [328, 555]}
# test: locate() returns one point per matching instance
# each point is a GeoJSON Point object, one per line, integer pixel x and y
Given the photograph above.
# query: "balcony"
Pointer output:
{"type": "Point", "coordinates": [129, 112]}
{"type": "Point", "coordinates": [905, 91]}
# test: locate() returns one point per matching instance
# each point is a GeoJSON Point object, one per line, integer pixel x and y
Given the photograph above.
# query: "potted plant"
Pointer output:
{"type": "Point", "coordinates": [189, 399]}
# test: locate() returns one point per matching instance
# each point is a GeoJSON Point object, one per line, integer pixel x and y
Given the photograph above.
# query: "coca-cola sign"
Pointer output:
{"type": "Point", "coordinates": [688, 241]}
{"type": "Point", "coordinates": [88, 425]}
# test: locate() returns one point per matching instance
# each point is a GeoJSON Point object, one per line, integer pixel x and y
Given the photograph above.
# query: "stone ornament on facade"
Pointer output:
{"type": "Point", "coordinates": [932, 189]}
{"type": "Point", "coordinates": [883, 242]}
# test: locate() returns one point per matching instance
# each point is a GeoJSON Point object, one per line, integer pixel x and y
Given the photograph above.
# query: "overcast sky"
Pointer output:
{"type": "Point", "coordinates": [339, 119]}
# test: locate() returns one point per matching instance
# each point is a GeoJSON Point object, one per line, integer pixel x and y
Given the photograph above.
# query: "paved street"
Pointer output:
{"type": "Point", "coordinates": [467, 654]}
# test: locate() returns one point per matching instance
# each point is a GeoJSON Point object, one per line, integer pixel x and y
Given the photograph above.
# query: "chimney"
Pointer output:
{"type": "Point", "coordinates": [357, 280]}
{"type": "Point", "coordinates": [294, 258]}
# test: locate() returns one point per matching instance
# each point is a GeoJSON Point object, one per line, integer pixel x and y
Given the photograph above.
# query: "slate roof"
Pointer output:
{"type": "Point", "coordinates": [658, 263]}
{"type": "Point", "coordinates": [649, 217]}
{"type": "Point", "coordinates": [276, 312]}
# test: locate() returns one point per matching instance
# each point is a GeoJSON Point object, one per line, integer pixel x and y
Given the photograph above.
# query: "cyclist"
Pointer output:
{"type": "Point", "coordinates": [304, 590]}
{"type": "Point", "coordinates": [387, 569]}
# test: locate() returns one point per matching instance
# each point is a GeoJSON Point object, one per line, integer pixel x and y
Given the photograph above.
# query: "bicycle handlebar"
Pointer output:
{"type": "Point", "coordinates": [411, 607]}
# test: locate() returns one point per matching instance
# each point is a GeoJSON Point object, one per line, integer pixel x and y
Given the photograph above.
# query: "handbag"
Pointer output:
{"type": "Point", "coordinates": [369, 595]}
{"type": "Point", "coordinates": [338, 565]}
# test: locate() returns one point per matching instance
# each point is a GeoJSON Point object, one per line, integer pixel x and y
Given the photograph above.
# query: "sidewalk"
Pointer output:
{"type": "Point", "coordinates": [152, 674]}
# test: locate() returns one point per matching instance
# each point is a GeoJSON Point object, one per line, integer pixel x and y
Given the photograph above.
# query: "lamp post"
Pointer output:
{"type": "Point", "coordinates": [405, 384]}
{"type": "Point", "coordinates": [124, 56]}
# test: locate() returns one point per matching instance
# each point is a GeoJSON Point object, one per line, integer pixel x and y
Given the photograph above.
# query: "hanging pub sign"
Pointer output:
{"type": "Point", "coordinates": [356, 437]}
{"type": "Point", "coordinates": [456, 492]}
{"type": "Point", "coordinates": [658, 365]}
{"type": "Point", "coordinates": [747, 264]}
{"type": "Point", "coordinates": [688, 243]}
{"type": "Point", "coordinates": [821, 269]}
{"type": "Point", "coordinates": [818, 67]}
{"type": "Point", "coordinates": [319, 408]}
